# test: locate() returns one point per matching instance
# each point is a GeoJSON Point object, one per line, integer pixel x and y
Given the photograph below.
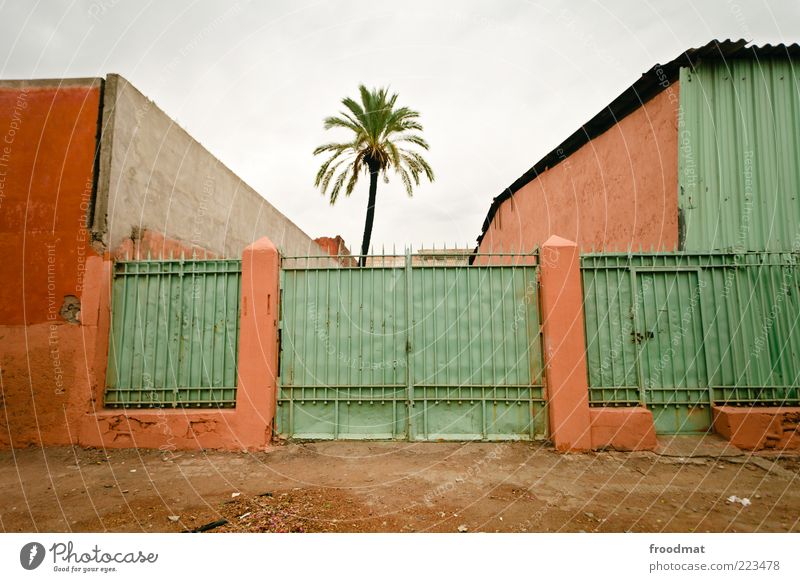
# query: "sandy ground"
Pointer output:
{"type": "Point", "coordinates": [402, 487]}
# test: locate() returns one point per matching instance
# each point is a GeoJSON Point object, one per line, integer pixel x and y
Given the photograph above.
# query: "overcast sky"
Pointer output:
{"type": "Point", "coordinates": [498, 83]}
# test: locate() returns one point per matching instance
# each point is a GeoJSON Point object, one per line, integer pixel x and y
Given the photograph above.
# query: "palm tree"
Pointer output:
{"type": "Point", "coordinates": [378, 130]}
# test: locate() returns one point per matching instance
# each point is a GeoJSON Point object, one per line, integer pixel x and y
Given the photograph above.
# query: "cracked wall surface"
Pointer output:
{"type": "Point", "coordinates": [48, 132]}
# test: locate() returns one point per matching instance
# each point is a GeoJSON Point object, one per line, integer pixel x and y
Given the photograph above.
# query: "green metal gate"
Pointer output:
{"type": "Point", "coordinates": [678, 332]}
{"type": "Point", "coordinates": [174, 333]}
{"type": "Point", "coordinates": [669, 339]}
{"type": "Point", "coordinates": [408, 351]}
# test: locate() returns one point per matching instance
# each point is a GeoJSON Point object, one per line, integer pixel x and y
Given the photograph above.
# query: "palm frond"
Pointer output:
{"type": "Point", "coordinates": [356, 167]}
{"type": "Point", "coordinates": [331, 147]}
{"type": "Point", "coordinates": [406, 181]}
{"type": "Point", "coordinates": [394, 153]}
{"type": "Point", "coordinates": [324, 167]}
{"type": "Point", "coordinates": [417, 161]}
{"type": "Point", "coordinates": [326, 179]}
{"type": "Point", "coordinates": [345, 122]}
{"type": "Point", "coordinates": [377, 128]}
{"type": "Point", "coordinates": [337, 185]}
{"type": "Point", "coordinates": [355, 109]}
{"type": "Point", "coordinates": [413, 139]}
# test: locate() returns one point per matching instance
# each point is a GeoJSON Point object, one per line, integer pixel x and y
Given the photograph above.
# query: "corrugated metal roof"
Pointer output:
{"type": "Point", "coordinates": [645, 88]}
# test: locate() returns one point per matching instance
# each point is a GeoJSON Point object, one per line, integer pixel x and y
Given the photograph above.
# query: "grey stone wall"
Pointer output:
{"type": "Point", "coordinates": [153, 175]}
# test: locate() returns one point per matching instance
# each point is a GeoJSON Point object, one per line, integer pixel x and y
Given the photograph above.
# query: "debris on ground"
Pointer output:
{"type": "Point", "coordinates": [296, 512]}
{"type": "Point", "coordinates": [391, 487]}
{"type": "Point", "coordinates": [210, 526]}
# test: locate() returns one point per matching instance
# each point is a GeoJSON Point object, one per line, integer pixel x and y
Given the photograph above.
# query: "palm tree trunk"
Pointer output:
{"type": "Point", "coordinates": [373, 191]}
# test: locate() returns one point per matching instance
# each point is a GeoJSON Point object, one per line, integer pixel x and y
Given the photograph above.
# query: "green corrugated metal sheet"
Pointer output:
{"type": "Point", "coordinates": [739, 155]}
{"type": "Point", "coordinates": [426, 353]}
{"type": "Point", "coordinates": [678, 331]}
{"type": "Point", "coordinates": [174, 333]}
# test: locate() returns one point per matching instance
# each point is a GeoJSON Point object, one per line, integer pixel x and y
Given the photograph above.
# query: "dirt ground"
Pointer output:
{"type": "Point", "coordinates": [402, 487]}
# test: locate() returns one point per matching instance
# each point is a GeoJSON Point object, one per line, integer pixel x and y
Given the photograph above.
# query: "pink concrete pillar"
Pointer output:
{"type": "Point", "coordinates": [564, 345]}
{"type": "Point", "coordinates": [95, 324]}
{"type": "Point", "coordinates": [258, 344]}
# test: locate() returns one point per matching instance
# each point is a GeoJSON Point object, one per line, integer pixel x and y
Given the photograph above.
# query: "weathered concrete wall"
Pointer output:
{"type": "Point", "coordinates": [620, 188]}
{"type": "Point", "coordinates": [48, 134]}
{"type": "Point", "coordinates": [154, 176]}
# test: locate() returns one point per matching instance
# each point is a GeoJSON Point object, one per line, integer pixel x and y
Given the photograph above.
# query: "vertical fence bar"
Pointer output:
{"type": "Point", "coordinates": [412, 433]}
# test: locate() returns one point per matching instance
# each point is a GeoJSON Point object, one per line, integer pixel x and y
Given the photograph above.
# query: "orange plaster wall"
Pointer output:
{"type": "Point", "coordinates": [335, 246]}
{"type": "Point", "coordinates": [47, 178]}
{"type": "Point", "coordinates": [623, 429]}
{"type": "Point", "coordinates": [759, 427]}
{"type": "Point", "coordinates": [619, 189]}
{"type": "Point", "coordinates": [47, 148]}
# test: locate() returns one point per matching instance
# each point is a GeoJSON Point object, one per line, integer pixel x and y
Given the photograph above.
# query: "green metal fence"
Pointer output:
{"type": "Point", "coordinates": [174, 333]}
{"type": "Point", "coordinates": [446, 352]}
{"type": "Point", "coordinates": [679, 331]}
